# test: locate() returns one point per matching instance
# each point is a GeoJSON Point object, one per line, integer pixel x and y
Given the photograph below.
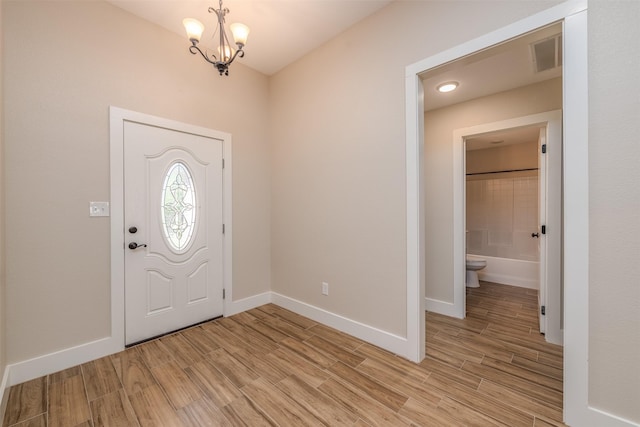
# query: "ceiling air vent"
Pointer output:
{"type": "Point", "coordinates": [547, 54]}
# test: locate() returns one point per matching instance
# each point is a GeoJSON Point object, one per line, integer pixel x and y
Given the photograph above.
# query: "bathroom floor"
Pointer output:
{"type": "Point", "coordinates": [269, 366]}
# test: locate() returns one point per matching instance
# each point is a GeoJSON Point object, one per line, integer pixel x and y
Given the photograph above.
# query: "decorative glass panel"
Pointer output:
{"type": "Point", "coordinates": [178, 203]}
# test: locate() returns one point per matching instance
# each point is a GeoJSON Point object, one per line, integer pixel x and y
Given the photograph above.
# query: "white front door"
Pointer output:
{"type": "Point", "coordinates": [173, 225]}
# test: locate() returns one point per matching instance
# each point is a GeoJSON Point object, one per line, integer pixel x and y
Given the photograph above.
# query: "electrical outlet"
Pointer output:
{"type": "Point", "coordinates": [325, 288]}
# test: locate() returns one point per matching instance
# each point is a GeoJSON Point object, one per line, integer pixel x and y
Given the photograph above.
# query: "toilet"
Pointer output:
{"type": "Point", "coordinates": [473, 266]}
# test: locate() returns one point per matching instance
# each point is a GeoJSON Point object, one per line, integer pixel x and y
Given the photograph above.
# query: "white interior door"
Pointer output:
{"type": "Point", "coordinates": [173, 218]}
{"type": "Point", "coordinates": [542, 220]}
{"type": "Point", "coordinates": [550, 202]}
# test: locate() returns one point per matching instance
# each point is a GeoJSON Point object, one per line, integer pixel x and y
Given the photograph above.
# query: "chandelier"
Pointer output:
{"type": "Point", "coordinates": [226, 54]}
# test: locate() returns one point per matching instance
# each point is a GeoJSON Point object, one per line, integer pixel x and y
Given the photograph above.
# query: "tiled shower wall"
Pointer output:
{"type": "Point", "coordinates": [502, 212]}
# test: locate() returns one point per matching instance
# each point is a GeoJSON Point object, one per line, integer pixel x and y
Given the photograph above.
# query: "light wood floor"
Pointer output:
{"type": "Point", "coordinates": [270, 367]}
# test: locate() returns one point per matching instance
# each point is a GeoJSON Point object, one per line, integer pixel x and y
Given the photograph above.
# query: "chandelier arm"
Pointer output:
{"type": "Point", "coordinates": [239, 53]}
{"type": "Point", "coordinates": [206, 58]}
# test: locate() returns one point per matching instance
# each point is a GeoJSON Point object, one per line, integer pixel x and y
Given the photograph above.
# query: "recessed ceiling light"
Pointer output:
{"type": "Point", "coordinates": [447, 86]}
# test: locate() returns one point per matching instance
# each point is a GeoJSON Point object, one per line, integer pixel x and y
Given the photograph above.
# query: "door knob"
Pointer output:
{"type": "Point", "coordinates": [532, 235]}
{"type": "Point", "coordinates": [133, 230]}
{"type": "Point", "coordinates": [134, 245]}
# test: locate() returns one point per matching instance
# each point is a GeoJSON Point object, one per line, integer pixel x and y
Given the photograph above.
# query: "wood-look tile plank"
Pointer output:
{"type": "Point", "coordinates": [521, 400]}
{"type": "Point", "coordinates": [308, 353]}
{"type": "Point", "coordinates": [361, 404]}
{"type": "Point", "coordinates": [426, 415]}
{"type": "Point", "coordinates": [68, 405]}
{"type": "Point", "coordinates": [134, 374]}
{"type": "Point", "coordinates": [176, 384]}
{"type": "Point", "coordinates": [414, 369]}
{"type": "Point", "coordinates": [244, 318]}
{"type": "Point", "coordinates": [262, 365]}
{"type": "Point", "coordinates": [439, 353]}
{"type": "Point", "coordinates": [258, 341]}
{"type": "Point", "coordinates": [540, 392]}
{"type": "Point", "coordinates": [213, 383]}
{"type": "Point", "coordinates": [56, 377]}
{"type": "Point", "coordinates": [319, 404]}
{"type": "Point", "coordinates": [268, 331]}
{"type": "Point", "coordinates": [153, 409]}
{"type": "Point", "coordinates": [482, 403]}
{"type": "Point", "coordinates": [154, 354]}
{"type": "Point", "coordinates": [467, 416]}
{"type": "Point", "coordinates": [225, 338]}
{"type": "Point", "coordinates": [100, 378]}
{"type": "Point", "coordinates": [200, 340]}
{"type": "Point", "coordinates": [399, 380]}
{"type": "Point", "coordinates": [243, 412]}
{"type": "Point", "coordinates": [468, 379]}
{"type": "Point", "coordinates": [334, 351]}
{"type": "Point", "coordinates": [202, 413]}
{"type": "Point", "coordinates": [457, 348]}
{"type": "Point", "coordinates": [339, 338]}
{"type": "Point", "coordinates": [285, 359]}
{"type": "Point", "coordinates": [232, 368]}
{"type": "Point", "coordinates": [280, 407]}
{"type": "Point", "coordinates": [470, 324]}
{"type": "Point", "coordinates": [181, 350]}
{"type": "Point", "coordinates": [287, 328]}
{"type": "Point", "coordinates": [113, 410]}
{"type": "Point", "coordinates": [540, 368]}
{"type": "Point", "coordinates": [294, 318]}
{"type": "Point", "coordinates": [377, 391]}
{"type": "Point", "coordinates": [26, 400]}
{"type": "Point", "coordinates": [38, 421]}
{"type": "Point", "coordinates": [523, 373]}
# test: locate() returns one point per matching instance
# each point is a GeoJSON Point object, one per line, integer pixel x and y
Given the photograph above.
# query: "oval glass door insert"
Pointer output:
{"type": "Point", "coordinates": [178, 202]}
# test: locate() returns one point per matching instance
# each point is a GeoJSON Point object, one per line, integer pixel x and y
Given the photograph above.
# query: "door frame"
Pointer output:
{"type": "Point", "coordinates": [117, 118]}
{"type": "Point", "coordinates": [573, 15]}
{"type": "Point", "coordinates": [552, 121]}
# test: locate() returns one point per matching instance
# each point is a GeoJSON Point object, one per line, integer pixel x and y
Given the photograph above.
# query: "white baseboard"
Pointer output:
{"type": "Point", "coordinates": [442, 307]}
{"type": "Point", "coordinates": [508, 280]}
{"type": "Point", "coordinates": [63, 359]}
{"type": "Point", "coordinates": [235, 307]}
{"type": "Point", "coordinates": [378, 337]}
{"type": "Point", "coordinates": [4, 392]}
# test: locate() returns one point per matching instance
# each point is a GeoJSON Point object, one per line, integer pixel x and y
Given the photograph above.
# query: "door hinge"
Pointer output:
{"type": "Point", "coordinates": [543, 310]}
{"type": "Point", "coordinates": [544, 229]}
{"type": "Point", "coordinates": [222, 228]}
{"type": "Point", "coordinates": [222, 163]}
{"type": "Point", "coordinates": [544, 148]}
{"type": "Point", "coordinates": [224, 293]}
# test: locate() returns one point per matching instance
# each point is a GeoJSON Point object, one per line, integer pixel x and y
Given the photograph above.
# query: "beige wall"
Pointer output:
{"type": "Point", "coordinates": [614, 207]}
{"type": "Point", "coordinates": [438, 166]}
{"type": "Point", "coordinates": [65, 64]}
{"type": "Point", "coordinates": [338, 160]}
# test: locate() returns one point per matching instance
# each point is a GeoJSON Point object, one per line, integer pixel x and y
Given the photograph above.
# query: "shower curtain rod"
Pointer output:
{"type": "Point", "coordinates": [504, 171]}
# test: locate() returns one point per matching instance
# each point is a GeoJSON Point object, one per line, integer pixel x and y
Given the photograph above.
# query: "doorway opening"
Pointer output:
{"type": "Point", "coordinates": [509, 199]}
{"type": "Point", "coordinates": [575, 252]}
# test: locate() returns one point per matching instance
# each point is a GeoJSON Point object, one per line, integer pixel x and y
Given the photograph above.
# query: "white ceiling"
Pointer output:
{"type": "Point", "coordinates": [503, 137]}
{"type": "Point", "coordinates": [503, 67]}
{"type": "Point", "coordinates": [282, 31]}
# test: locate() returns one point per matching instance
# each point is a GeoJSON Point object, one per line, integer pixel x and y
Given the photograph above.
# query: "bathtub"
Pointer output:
{"type": "Point", "coordinates": [515, 272]}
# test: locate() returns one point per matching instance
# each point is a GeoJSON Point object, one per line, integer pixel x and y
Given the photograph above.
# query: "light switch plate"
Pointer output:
{"type": "Point", "coordinates": [98, 208]}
